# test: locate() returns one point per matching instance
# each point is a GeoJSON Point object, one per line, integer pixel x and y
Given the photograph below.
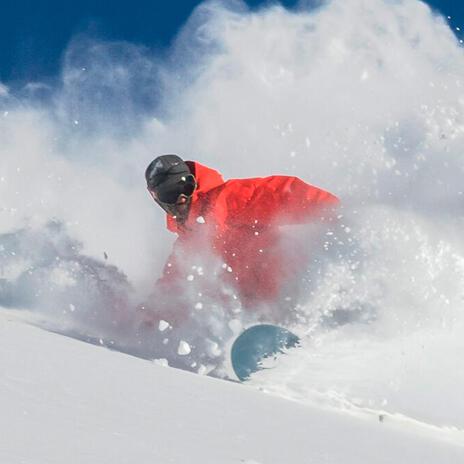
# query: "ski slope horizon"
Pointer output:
{"type": "Point", "coordinates": [363, 98]}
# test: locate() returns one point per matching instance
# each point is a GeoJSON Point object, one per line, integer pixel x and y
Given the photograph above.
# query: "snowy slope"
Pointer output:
{"type": "Point", "coordinates": [65, 401]}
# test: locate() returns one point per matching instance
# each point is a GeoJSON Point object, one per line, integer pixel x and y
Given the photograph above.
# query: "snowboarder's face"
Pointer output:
{"type": "Point", "coordinates": [175, 196]}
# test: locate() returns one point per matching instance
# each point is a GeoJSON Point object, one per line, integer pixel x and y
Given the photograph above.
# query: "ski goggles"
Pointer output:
{"type": "Point", "coordinates": [174, 191]}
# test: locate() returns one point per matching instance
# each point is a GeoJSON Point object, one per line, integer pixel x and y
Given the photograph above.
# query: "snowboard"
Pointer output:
{"type": "Point", "coordinates": [257, 343]}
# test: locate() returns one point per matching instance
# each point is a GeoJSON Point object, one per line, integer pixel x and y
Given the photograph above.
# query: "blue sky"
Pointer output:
{"type": "Point", "coordinates": [34, 33]}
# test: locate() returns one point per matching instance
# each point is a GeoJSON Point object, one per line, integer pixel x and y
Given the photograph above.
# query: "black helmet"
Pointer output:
{"type": "Point", "coordinates": [169, 176]}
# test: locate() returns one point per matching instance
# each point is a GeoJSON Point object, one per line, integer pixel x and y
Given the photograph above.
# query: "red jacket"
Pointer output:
{"type": "Point", "coordinates": [238, 222]}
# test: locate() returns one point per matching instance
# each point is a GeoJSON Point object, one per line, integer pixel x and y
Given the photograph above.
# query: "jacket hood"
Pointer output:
{"type": "Point", "coordinates": [206, 178]}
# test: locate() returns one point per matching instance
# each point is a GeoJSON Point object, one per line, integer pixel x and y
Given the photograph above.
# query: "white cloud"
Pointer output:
{"type": "Point", "coordinates": [4, 91]}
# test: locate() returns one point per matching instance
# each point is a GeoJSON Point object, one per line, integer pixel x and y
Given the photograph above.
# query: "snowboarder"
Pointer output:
{"type": "Point", "coordinates": [237, 222]}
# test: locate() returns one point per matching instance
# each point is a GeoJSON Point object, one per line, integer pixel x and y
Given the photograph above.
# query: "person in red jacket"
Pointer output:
{"type": "Point", "coordinates": [233, 226]}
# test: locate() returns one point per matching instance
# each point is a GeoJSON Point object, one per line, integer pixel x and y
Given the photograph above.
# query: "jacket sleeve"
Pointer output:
{"type": "Point", "coordinates": [284, 200]}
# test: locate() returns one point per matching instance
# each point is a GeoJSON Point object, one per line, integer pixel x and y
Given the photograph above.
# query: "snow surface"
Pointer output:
{"type": "Point", "coordinates": [65, 401]}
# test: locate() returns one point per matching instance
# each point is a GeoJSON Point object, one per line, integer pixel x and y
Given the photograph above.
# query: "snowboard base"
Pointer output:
{"type": "Point", "coordinates": [258, 343]}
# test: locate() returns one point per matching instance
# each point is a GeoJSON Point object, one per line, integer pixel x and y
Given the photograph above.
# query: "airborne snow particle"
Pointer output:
{"type": "Point", "coordinates": [202, 370]}
{"type": "Point", "coordinates": [199, 305]}
{"type": "Point", "coordinates": [190, 277]}
{"type": "Point", "coordinates": [201, 220]}
{"type": "Point", "coordinates": [214, 350]}
{"type": "Point", "coordinates": [184, 348]}
{"type": "Point", "coordinates": [163, 325]}
{"type": "Point", "coordinates": [161, 362]}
